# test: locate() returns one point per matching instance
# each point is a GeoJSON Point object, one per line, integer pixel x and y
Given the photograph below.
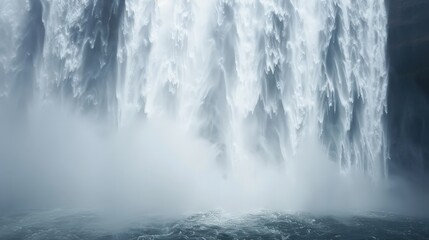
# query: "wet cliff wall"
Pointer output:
{"type": "Point", "coordinates": [408, 94]}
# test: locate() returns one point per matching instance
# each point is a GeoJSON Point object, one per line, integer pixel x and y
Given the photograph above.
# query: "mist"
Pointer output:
{"type": "Point", "coordinates": [57, 158]}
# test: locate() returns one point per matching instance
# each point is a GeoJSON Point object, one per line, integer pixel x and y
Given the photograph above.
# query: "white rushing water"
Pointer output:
{"type": "Point", "coordinates": [258, 77]}
{"type": "Point", "coordinates": [264, 82]}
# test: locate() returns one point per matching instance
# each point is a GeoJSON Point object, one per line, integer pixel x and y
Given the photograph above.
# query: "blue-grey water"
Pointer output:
{"type": "Point", "coordinates": [215, 225]}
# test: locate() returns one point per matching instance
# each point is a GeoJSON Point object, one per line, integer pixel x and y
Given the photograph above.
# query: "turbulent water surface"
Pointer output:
{"type": "Point", "coordinates": [218, 226]}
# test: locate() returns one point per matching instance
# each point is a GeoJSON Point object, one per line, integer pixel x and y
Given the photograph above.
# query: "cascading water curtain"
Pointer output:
{"type": "Point", "coordinates": [257, 78]}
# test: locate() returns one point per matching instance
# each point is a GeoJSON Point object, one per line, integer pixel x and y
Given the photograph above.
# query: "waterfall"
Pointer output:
{"type": "Point", "coordinates": [258, 79]}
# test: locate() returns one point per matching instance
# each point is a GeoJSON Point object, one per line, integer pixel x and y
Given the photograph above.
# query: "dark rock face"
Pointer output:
{"type": "Point", "coordinates": [408, 96]}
